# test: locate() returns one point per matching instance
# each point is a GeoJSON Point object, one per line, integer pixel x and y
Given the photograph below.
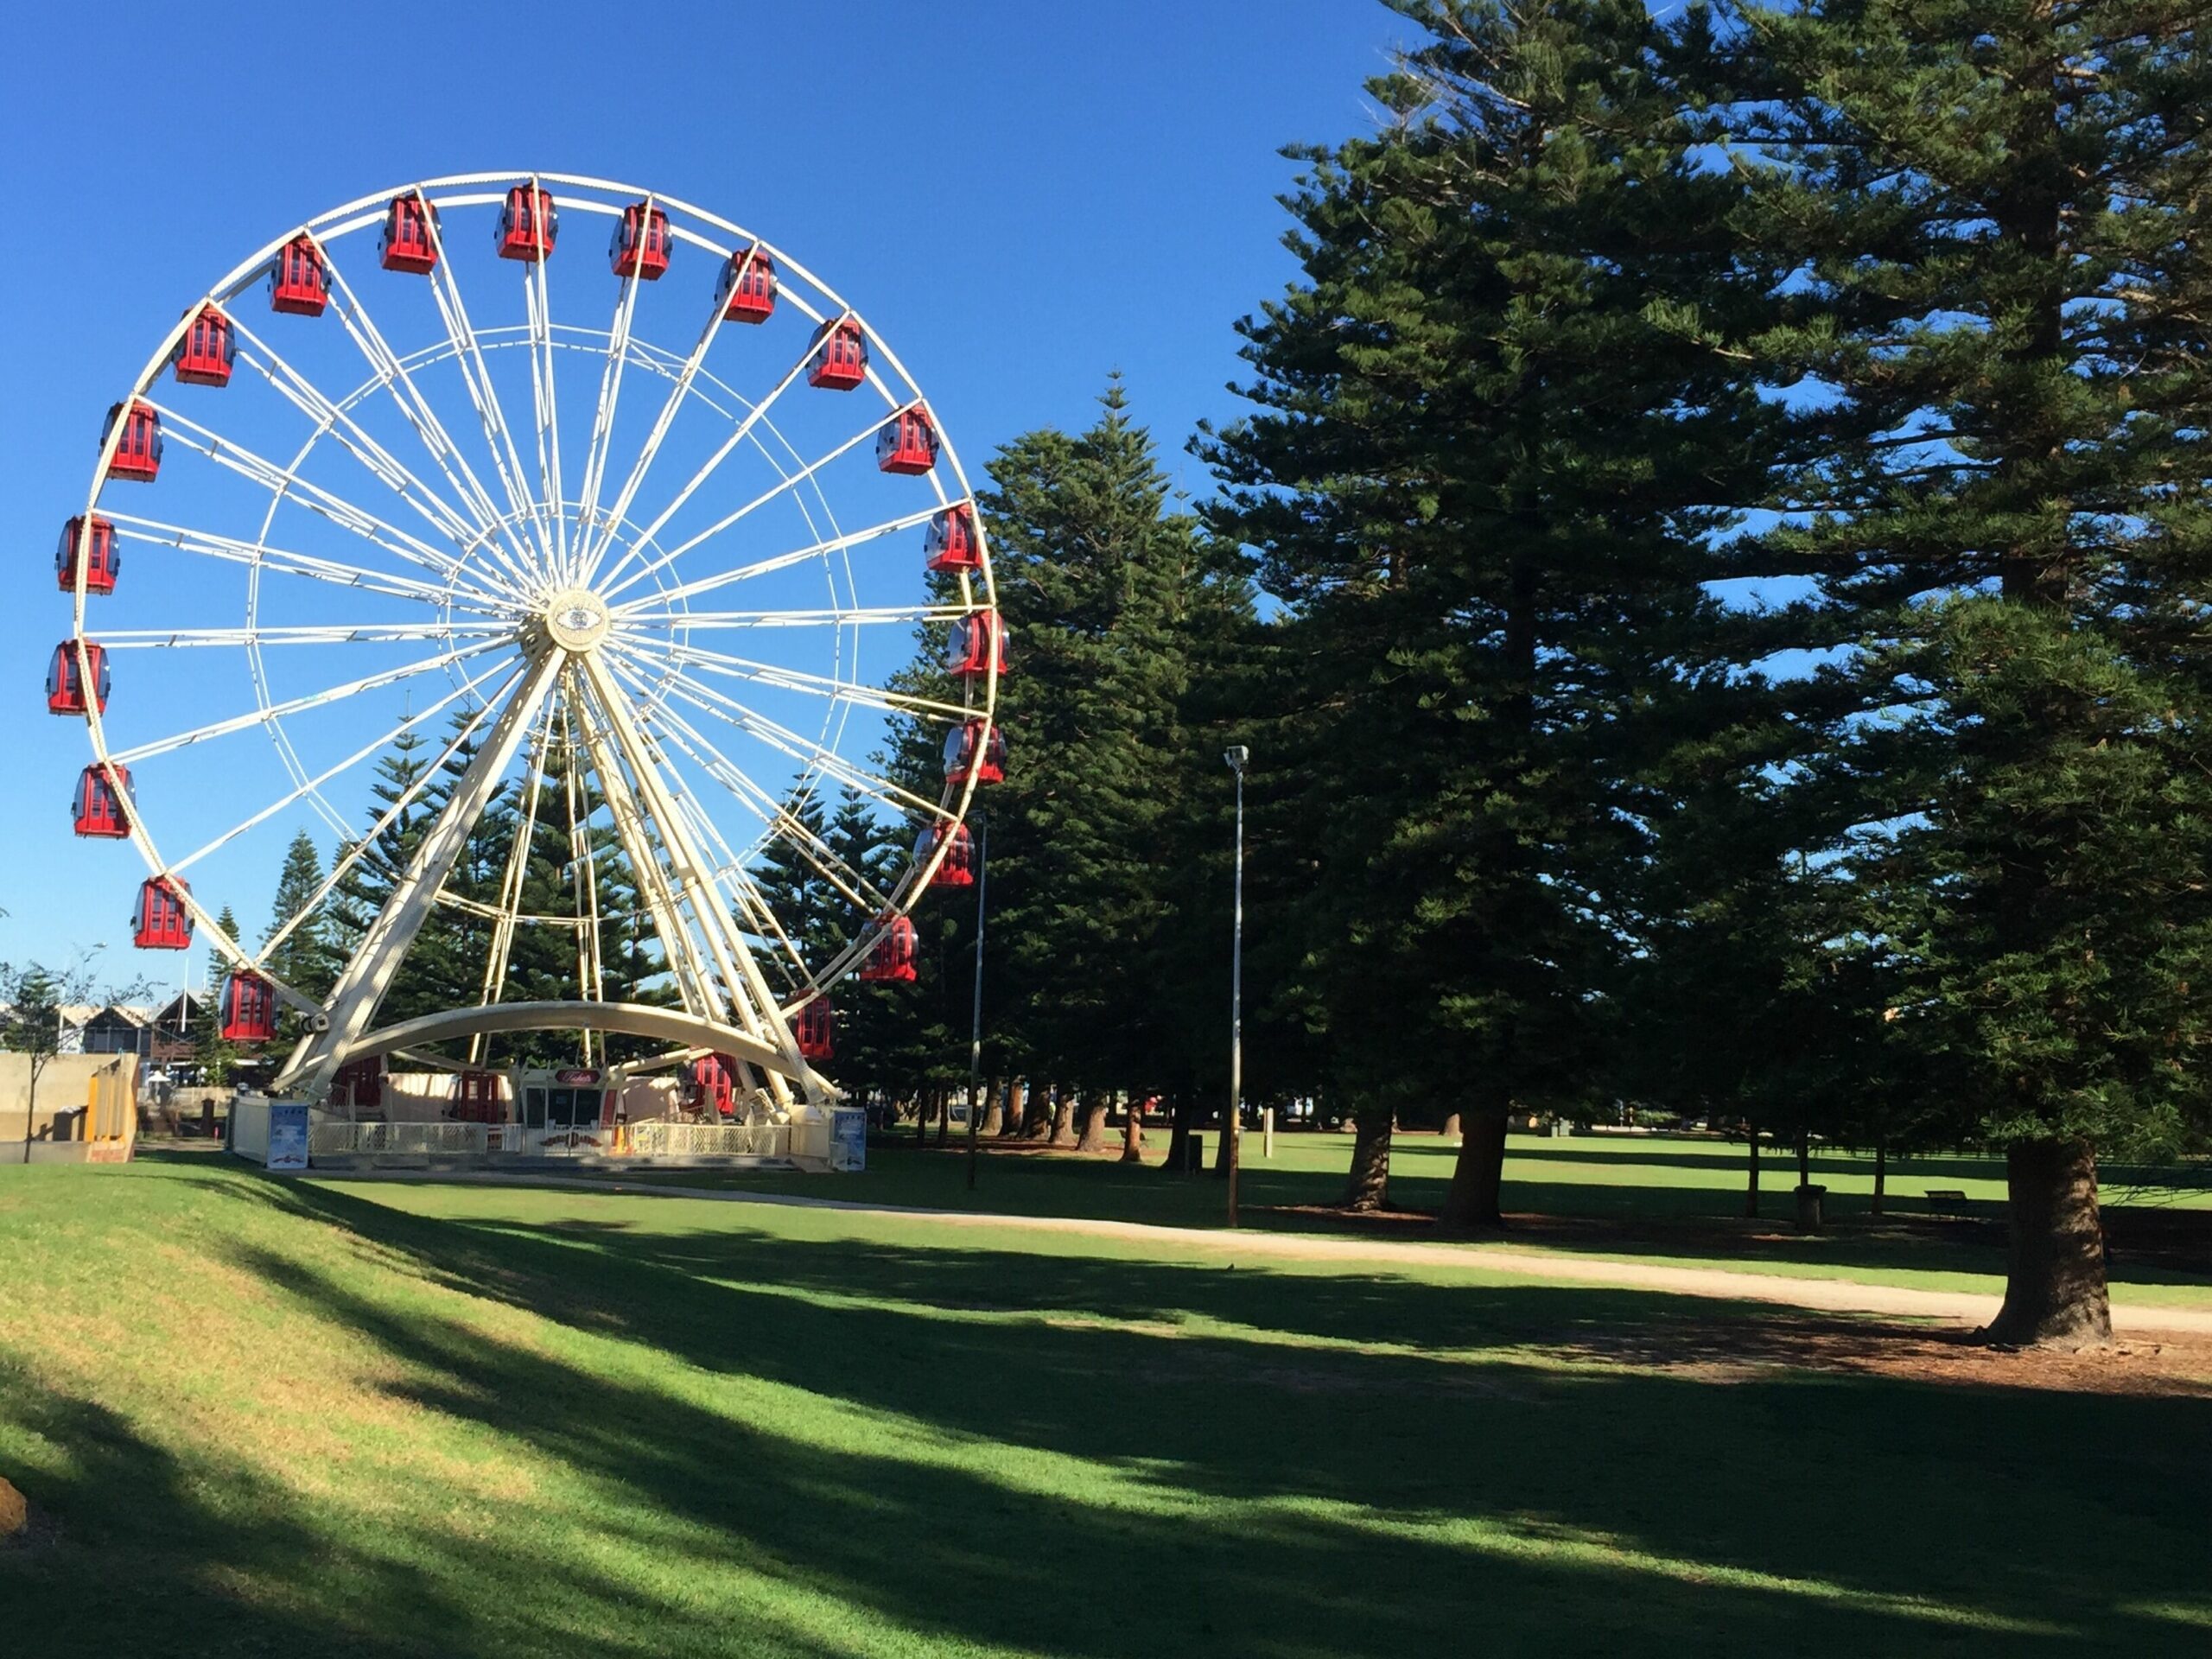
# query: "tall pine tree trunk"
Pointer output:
{"type": "Point", "coordinates": [1036, 1112]}
{"type": "Point", "coordinates": [1751, 1192]}
{"type": "Point", "coordinates": [1017, 1098]}
{"type": "Point", "coordinates": [1179, 1114]}
{"type": "Point", "coordinates": [1093, 1135]}
{"type": "Point", "coordinates": [1367, 1186]}
{"type": "Point", "coordinates": [2055, 1274]}
{"type": "Point", "coordinates": [1471, 1206]}
{"type": "Point", "coordinates": [1063, 1116]}
{"type": "Point", "coordinates": [994, 1115]}
{"type": "Point", "coordinates": [1132, 1133]}
{"type": "Point", "coordinates": [1881, 1172]}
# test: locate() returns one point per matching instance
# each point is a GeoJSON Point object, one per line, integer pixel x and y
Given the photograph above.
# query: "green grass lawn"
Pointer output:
{"type": "Point", "coordinates": [258, 1416]}
{"type": "Point", "coordinates": [1676, 1201]}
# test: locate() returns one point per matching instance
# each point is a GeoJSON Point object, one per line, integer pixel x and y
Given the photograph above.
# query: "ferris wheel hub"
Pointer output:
{"type": "Point", "coordinates": [577, 619]}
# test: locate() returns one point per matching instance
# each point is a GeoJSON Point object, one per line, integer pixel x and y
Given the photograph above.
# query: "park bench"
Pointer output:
{"type": "Point", "coordinates": [1943, 1199]}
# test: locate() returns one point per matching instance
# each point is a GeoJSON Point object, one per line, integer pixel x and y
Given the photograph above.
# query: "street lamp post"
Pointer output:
{"type": "Point", "coordinates": [1233, 1125]}
{"type": "Point", "coordinates": [976, 1026]}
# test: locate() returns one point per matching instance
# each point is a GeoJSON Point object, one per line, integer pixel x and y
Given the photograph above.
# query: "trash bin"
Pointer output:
{"type": "Point", "coordinates": [1809, 1208]}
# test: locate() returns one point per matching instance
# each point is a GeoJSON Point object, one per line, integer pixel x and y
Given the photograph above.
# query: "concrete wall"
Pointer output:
{"type": "Point", "coordinates": [66, 1089]}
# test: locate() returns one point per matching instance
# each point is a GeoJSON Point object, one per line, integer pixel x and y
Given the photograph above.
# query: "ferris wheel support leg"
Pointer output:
{"type": "Point", "coordinates": [753, 1007]}
{"type": "Point", "coordinates": [353, 1001]}
{"type": "Point", "coordinates": [694, 977]}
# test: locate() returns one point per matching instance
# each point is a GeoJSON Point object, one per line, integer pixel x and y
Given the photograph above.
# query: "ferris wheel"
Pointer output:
{"type": "Point", "coordinates": [421, 476]}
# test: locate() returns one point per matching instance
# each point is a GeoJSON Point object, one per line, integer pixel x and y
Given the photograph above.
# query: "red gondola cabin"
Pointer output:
{"type": "Point", "coordinates": [407, 243]}
{"type": "Point", "coordinates": [103, 562]}
{"type": "Point", "coordinates": [906, 442]}
{"type": "Point", "coordinates": [714, 1084]}
{"type": "Point", "coordinates": [102, 807]}
{"type": "Point", "coordinates": [528, 224]}
{"type": "Point", "coordinates": [958, 869]}
{"type": "Point", "coordinates": [65, 689]}
{"type": "Point", "coordinates": [358, 1083]}
{"type": "Point", "coordinates": [969, 752]}
{"type": "Point", "coordinates": [204, 355]}
{"type": "Point", "coordinates": [298, 284]}
{"type": "Point", "coordinates": [840, 361]}
{"type": "Point", "coordinates": [249, 1009]}
{"type": "Point", "coordinates": [891, 959]}
{"type": "Point", "coordinates": [640, 245]}
{"type": "Point", "coordinates": [977, 645]}
{"type": "Point", "coordinates": [748, 286]}
{"type": "Point", "coordinates": [816, 1031]}
{"type": "Point", "coordinates": [138, 452]}
{"type": "Point", "coordinates": [162, 921]}
{"type": "Point", "coordinates": [951, 546]}
{"type": "Point", "coordinates": [476, 1098]}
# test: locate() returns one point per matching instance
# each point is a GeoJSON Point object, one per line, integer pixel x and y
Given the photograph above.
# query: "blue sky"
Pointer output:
{"type": "Point", "coordinates": [1021, 197]}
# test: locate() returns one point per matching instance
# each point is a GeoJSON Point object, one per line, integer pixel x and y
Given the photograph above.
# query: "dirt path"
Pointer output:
{"type": "Point", "coordinates": [1832, 1295]}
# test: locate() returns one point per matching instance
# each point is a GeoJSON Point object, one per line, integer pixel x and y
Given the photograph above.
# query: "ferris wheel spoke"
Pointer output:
{"type": "Point", "coordinates": [790, 480]}
{"type": "Point", "coordinates": [647, 623]}
{"type": "Point", "coordinates": [483, 395]}
{"type": "Point", "coordinates": [742, 431]}
{"type": "Point", "coordinates": [508, 912]}
{"type": "Point", "coordinates": [583, 880]}
{"type": "Point", "coordinates": [746, 894]}
{"type": "Point", "coordinates": [854, 884]}
{"type": "Point", "coordinates": [680, 953]}
{"type": "Point", "coordinates": [354, 760]}
{"type": "Point", "coordinates": [303, 394]}
{"type": "Point", "coordinates": [819, 685]}
{"type": "Point", "coordinates": [263, 716]}
{"type": "Point", "coordinates": [208, 544]}
{"type": "Point", "coordinates": [546, 409]}
{"type": "Point", "coordinates": [356, 852]}
{"type": "Point", "coordinates": [391, 373]}
{"type": "Point", "coordinates": [670, 408]}
{"type": "Point", "coordinates": [353, 999]}
{"type": "Point", "coordinates": [804, 750]}
{"type": "Point", "coordinates": [285, 483]}
{"type": "Point", "coordinates": [752, 1005]}
{"type": "Point", "coordinates": [337, 633]}
{"type": "Point", "coordinates": [610, 395]}
{"type": "Point", "coordinates": [781, 561]}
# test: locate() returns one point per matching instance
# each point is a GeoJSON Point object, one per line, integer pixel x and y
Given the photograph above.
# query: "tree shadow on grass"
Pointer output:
{"type": "Point", "coordinates": [148, 1550]}
{"type": "Point", "coordinates": [2147, 1248]}
{"type": "Point", "coordinates": [1085, 1456]}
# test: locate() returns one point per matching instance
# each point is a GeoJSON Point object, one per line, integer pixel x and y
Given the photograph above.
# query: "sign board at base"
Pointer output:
{"type": "Point", "coordinates": [848, 1139]}
{"type": "Point", "coordinates": [287, 1136]}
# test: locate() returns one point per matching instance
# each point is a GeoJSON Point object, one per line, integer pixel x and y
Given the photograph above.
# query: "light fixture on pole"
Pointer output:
{"type": "Point", "coordinates": [1233, 1124]}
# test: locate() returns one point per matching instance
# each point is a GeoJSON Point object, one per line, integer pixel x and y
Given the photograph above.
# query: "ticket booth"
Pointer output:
{"type": "Point", "coordinates": [569, 1112]}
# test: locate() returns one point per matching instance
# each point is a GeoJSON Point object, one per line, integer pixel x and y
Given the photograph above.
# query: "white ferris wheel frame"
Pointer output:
{"type": "Point", "coordinates": [623, 708]}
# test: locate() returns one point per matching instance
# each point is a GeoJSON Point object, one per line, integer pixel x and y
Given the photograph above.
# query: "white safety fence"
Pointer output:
{"type": "Point", "coordinates": [666, 1140]}
{"type": "Point", "coordinates": [335, 1138]}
